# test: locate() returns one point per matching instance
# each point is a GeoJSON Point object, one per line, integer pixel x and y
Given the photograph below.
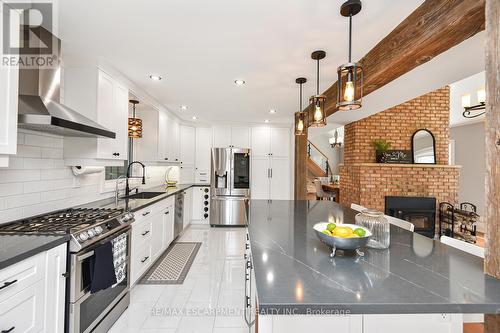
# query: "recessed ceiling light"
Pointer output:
{"type": "Point", "coordinates": [272, 111]}
{"type": "Point", "coordinates": [266, 121]}
{"type": "Point", "coordinates": [155, 77]}
{"type": "Point", "coordinates": [194, 118]}
{"type": "Point", "coordinates": [184, 107]}
{"type": "Point", "coordinates": [239, 82]}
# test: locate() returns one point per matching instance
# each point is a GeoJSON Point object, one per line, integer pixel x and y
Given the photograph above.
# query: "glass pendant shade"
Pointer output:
{"type": "Point", "coordinates": [350, 86]}
{"type": "Point", "coordinates": [134, 128]}
{"type": "Point", "coordinates": [300, 123]}
{"type": "Point", "coordinates": [317, 115]}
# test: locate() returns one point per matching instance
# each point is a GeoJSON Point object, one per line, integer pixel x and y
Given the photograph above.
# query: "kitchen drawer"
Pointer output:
{"type": "Point", "coordinates": [141, 232]}
{"type": "Point", "coordinates": [24, 311]}
{"type": "Point", "coordinates": [202, 177]}
{"type": "Point", "coordinates": [22, 274]}
{"type": "Point", "coordinates": [141, 260]}
{"type": "Point", "coordinates": [156, 208]}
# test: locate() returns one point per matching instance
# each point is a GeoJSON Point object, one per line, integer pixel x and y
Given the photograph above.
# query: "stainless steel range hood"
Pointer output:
{"type": "Point", "coordinates": [39, 100]}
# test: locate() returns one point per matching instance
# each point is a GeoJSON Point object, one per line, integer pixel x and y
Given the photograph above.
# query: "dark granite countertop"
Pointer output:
{"type": "Point", "coordinates": [416, 274]}
{"type": "Point", "coordinates": [15, 248]}
{"type": "Point", "coordinates": [137, 204]}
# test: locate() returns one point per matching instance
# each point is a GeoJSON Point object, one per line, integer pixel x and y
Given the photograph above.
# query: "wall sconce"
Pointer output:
{"type": "Point", "coordinates": [473, 111]}
{"type": "Point", "coordinates": [334, 141]}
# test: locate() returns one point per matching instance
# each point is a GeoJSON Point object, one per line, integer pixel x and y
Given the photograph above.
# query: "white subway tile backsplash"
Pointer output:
{"type": "Point", "coordinates": [14, 176]}
{"type": "Point", "coordinates": [22, 200]}
{"type": "Point", "coordinates": [38, 163]}
{"type": "Point", "coordinates": [52, 153]}
{"type": "Point", "coordinates": [10, 189]}
{"type": "Point", "coordinates": [38, 186]}
{"type": "Point", "coordinates": [38, 140]}
{"type": "Point", "coordinates": [38, 182]}
{"type": "Point", "coordinates": [56, 174]}
{"type": "Point", "coordinates": [29, 151]}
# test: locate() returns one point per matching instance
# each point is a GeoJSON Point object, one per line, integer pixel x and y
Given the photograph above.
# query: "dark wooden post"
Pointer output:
{"type": "Point", "coordinates": [300, 167]}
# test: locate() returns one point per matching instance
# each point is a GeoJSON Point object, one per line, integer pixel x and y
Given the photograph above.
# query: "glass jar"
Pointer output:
{"type": "Point", "coordinates": [379, 226]}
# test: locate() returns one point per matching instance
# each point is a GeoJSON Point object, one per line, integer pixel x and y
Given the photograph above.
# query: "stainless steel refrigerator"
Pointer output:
{"type": "Point", "coordinates": [230, 186]}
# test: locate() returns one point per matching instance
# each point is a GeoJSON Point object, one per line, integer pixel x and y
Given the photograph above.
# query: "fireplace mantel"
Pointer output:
{"type": "Point", "coordinates": [394, 165]}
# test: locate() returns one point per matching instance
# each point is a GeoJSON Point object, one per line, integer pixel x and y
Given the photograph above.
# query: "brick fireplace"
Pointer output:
{"type": "Point", "coordinates": [368, 183]}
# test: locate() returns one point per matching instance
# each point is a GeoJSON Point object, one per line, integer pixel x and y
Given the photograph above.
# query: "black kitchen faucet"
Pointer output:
{"type": "Point", "coordinates": [127, 188]}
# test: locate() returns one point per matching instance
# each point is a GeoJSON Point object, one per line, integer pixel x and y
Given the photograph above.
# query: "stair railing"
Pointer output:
{"type": "Point", "coordinates": [315, 154]}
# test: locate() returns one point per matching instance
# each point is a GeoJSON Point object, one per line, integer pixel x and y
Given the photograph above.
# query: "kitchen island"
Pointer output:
{"type": "Point", "coordinates": [417, 284]}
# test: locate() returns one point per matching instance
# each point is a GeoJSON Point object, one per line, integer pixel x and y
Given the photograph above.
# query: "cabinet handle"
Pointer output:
{"type": "Point", "coordinates": [271, 173]}
{"type": "Point", "coordinates": [6, 284]}
{"type": "Point", "coordinates": [145, 258]}
{"type": "Point", "coordinates": [146, 213]}
{"type": "Point", "coordinates": [168, 212]}
{"type": "Point", "coordinates": [145, 233]}
{"type": "Point", "coordinates": [9, 330]}
{"type": "Point", "coordinates": [166, 158]}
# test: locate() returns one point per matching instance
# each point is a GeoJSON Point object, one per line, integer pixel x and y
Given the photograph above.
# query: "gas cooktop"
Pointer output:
{"type": "Point", "coordinates": [85, 225]}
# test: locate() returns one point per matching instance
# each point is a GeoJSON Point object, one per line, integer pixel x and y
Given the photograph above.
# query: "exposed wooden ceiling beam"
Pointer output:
{"type": "Point", "coordinates": [433, 28]}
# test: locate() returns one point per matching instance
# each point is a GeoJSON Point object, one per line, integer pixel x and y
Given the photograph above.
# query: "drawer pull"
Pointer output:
{"type": "Point", "coordinates": [9, 330]}
{"type": "Point", "coordinates": [146, 213]}
{"type": "Point", "coordinates": [145, 233]}
{"type": "Point", "coordinates": [166, 213]}
{"type": "Point", "coordinates": [145, 258]}
{"type": "Point", "coordinates": [5, 285]}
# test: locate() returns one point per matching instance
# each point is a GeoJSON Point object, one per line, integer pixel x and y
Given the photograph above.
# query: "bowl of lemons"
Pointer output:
{"type": "Point", "coordinates": [342, 236]}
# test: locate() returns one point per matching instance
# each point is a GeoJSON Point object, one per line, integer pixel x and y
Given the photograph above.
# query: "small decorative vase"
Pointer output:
{"type": "Point", "coordinates": [380, 228]}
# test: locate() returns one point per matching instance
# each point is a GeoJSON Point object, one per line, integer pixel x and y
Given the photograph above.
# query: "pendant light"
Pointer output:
{"type": "Point", "coordinates": [350, 75]}
{"type": "Point", "coordinates": [134, 124]}
{"type": "Point", "coordinates": [301, 116]}
{"type": "Point", "coordinates": [318, 116]}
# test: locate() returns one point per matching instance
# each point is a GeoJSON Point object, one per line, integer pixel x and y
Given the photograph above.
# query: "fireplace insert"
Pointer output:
{"type": "Point", "coordinates": [421, 211]}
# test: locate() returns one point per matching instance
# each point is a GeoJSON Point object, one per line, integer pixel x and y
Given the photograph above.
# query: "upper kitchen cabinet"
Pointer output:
{"type": "Point", "coordinates": [187, 145]}
{"type": "Point", "coordinates": [203, 148]}
{"type": "Point", "coordinates": [9, 83]}
{"type": "Point", "coordinates": [101, 98]}
{"type": "Point", "coordinates": [227, 136]}
{"type": "Point", "coordinates": [268, 141]}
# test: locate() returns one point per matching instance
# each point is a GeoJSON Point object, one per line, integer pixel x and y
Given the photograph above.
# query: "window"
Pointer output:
{"type": "Point", "coordinates": [113, 172]}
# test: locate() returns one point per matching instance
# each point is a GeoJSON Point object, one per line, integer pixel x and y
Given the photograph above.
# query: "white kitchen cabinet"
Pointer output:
{"type": "Point", "coordinates": [168, 225]}
{"type": "Point", "coordinates": [227, 136]}
{"type": "Point", "coordinates": [175, 138]}
{"type": "Point", "coordinates": [271, 170]}
{"type": "Point", "coordinates": [36, 301]}
{"type": "Point", "coordinates": [99, 97]}
{"type": "Point", "coordinates": [240, 137]}
{"type": "Point", "coordinates": [186, 174]}
{"type": "Point", "coordinates": [261, 138]}
{"type": "Point", "coordinates": [187, 144]}
{"type": "Point", "coordinates": [163, 151]}
{"type": "Point", "coordinates": [9, 83]}
{"type": "Point", "coordinates": [157, 237]}
{"type": "Point", "coordinates": [201, 205]}
{"type": "Point", "coordinates": [187, 213]}
{"type": "Point", "coordinates": [203, 148]}
{"type": "Point", "coordinates": [146, 149]}
{"type": "Point", "coordinates": [259, 181]}
{"type": "Point", "coordinates": [273, 141]}
{"type": "Point", "coordinates": [280, 142]}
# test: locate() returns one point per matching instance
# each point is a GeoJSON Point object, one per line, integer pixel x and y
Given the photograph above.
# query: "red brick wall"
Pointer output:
{"type": "Point", "coordinates": [366, 183]}
{"type": "Point", "coordinates": [369, 184]}
{"type": "Point", "coordinates": [397, 125]}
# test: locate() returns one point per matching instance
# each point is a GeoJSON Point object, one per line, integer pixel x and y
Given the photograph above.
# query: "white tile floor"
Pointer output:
{"type": "Point", "coordinates": [209, 301]}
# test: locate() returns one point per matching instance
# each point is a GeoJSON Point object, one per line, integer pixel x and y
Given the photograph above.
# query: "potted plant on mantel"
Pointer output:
{"type": "Point", "coordinates": [381, 146]}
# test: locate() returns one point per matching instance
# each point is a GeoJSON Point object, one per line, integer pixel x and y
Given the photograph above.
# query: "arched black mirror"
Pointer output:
{"type": "Point", "coordinates": [423, 147]}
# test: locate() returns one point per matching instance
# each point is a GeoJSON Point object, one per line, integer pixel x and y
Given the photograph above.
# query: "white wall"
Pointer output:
{"type": "Point", "coordinates": [333, 154]}
{"type": "Point", "coordinates": [37, 181]}
{"type": "Point", "coordinates": [470, 154]}
{"type": "Point", "coordinates": [466, 86]}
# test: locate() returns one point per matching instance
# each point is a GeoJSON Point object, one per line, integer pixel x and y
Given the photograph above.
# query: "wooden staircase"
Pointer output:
{"type": "Point", "coordinates": [314, 170]}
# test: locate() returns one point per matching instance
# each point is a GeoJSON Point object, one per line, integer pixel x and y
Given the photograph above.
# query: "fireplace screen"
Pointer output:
{"type": "Point", "coordinates": [421, 211]}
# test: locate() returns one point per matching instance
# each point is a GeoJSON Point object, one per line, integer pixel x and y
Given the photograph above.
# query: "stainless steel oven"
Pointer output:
{"type": "Point", "coordinates": [97, 312]}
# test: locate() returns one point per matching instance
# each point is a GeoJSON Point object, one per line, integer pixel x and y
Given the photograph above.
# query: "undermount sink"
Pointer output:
{"type": "Point", "coordinates": [144, 195]}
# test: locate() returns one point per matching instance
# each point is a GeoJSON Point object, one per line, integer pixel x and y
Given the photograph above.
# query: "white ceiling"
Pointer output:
{"type": "Point", "coordinates": [201, 47]}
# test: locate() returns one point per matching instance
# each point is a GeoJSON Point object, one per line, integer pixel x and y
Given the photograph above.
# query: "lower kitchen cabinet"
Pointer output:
{"type": "Point", "coordinates": [188, 210]}
{"type": "Point", "coordinates": [35, 302]}
{"type": "Point", "coordinates": [152, 233]}
{"type": "Point", "coordinates": [201, 205]}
